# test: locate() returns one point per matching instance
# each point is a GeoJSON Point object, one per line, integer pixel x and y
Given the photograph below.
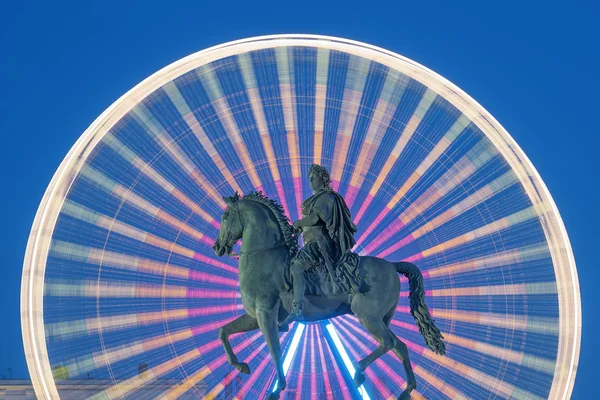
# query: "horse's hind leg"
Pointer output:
{"type": "Point", "coordinates": [401, 350]}
{"type": "Point", "coordinates": [244, 323]}
{"type": "Point", "coordinates": [383, 336]}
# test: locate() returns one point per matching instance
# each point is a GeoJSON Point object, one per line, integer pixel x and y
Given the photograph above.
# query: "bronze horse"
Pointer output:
{"type": "Point", "coordinates": [268, 244]}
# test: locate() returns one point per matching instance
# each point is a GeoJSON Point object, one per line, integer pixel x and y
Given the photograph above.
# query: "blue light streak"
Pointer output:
{"type": "Point", "coordinates": [340, 348]}
{"type": "Point", "coordinates": [292, 350]}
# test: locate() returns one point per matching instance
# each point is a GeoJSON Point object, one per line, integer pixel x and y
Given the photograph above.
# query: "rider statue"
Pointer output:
{"type": "Point", "coordinates": [328, 236]}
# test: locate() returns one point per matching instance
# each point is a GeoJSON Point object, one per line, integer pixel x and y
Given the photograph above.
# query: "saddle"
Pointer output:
{"type": "Point", "coordinates": [319, 282]}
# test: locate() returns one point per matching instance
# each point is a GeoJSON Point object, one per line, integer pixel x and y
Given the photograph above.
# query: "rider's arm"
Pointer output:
{"type": "Point", "coordinates": [320, 212]}
{"type": "Point", "coordinates": [309, 220]}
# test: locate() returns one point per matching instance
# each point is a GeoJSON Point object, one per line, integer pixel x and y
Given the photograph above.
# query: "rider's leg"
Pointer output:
{"type": "Point", "coordinates": [299, 284]}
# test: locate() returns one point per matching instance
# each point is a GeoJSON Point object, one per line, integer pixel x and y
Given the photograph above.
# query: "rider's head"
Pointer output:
{"type": "Point", "coordinates": [319, 177]}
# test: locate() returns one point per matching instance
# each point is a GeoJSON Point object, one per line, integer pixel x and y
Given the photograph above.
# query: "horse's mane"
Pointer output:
{"type": "Point", "coordinates": [284, 222]}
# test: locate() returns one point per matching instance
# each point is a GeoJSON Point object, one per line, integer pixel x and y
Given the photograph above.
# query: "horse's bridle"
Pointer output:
{"type": "Point", "coordinates": [227, 242]}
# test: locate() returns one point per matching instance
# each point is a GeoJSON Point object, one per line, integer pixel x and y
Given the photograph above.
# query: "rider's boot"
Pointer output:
{"type": "Point", "coordinates": [296, 314]}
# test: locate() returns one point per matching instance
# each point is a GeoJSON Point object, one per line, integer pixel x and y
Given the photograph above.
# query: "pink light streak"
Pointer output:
{"type": "Point", "coordinates": [327, 383]}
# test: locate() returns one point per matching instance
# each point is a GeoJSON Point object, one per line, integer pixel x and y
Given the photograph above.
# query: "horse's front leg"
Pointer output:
{"type": "Point", "coordinates": [244, 323]}
{"type": "Point", "coordinates": [267, 321]}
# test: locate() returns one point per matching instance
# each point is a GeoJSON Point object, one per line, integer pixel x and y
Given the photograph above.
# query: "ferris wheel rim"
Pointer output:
{"type": "Point", "coordinates": [39, 240]}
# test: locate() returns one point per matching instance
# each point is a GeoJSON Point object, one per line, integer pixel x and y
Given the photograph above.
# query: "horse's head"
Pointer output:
{"type": "Point", "coordinates": [231, 226]}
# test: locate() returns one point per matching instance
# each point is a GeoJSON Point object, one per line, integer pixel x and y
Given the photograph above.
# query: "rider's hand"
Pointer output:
{"type": "Point", "coordinates": [297, 228]}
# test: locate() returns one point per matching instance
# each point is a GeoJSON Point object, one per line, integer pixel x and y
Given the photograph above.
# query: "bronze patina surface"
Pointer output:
{"type": "Point", "coordinates": [327, 278]}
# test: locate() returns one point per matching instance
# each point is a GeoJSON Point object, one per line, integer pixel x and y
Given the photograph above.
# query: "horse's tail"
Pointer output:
{"type": "Point", "coordinates": [419, 309]}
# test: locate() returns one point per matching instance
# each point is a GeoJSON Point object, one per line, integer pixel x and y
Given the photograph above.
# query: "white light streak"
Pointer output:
{"type": "Point", "coordinates": [290, 354]}
{"type": "Point", "coordinates": [345, 358]}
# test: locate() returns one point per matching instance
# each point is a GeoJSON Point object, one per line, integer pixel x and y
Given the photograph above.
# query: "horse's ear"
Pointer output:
{"type": "Point", "coordinates": [231, 199]}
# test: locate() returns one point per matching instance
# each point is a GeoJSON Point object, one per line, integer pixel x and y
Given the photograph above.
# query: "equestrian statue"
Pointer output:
{"type": "Point", "coordinates": [280, 284]}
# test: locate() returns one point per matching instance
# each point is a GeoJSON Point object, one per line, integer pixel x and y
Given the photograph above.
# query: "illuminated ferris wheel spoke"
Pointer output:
{"type": "Point", "coordinates": [529, 253]}
{"type": "Point", "coordinates": [443, 387]}
{"type": "Point", "coordinates": [456, 176]}
{"type": "Point", "coordinates": [91, 288]}
{"type": "Point", "coordinates": [356, 78]}
{"type": "Point", "coordinates": [484, 193]}
{"type": "Point", "coordinates": [145, 119]}
{"type": "Point", "coordinates": [391, 94]}
{"type": "Point", "coordinates": [129, 385]}
{"type": "Point", "coordinates": [509, 322]}
{"type": "Point", "coordinates": [91, 326]}
{"type": "Point", "coordinates": [530, 289]}
{"type": "Point", "coordinates": [440, 385]}
{"type": "Point", "coordinates": [129, 197]}
{"type": "Point", "coordinates": [344, 355]}
{"type": "Point", "coordinates": [301, 365]}
{"type": "Point", "coordinates": [313, 361]}
{"type": "Point", "coordinates": [192, 380]}
{"type": "Point", "coordinates": [256, 103]}
{"type": "Point", "coordinates": [138, 163]}
{"type": "Point", "coordinates": [476, 376]}
{"type": "Point", "coordinates": [265, 382]}
{"type": "Point", "coordinates": [355, 343]}
{"type": "Point", "coordinates": [403, 138]}
{"type": "Point", "coordinates": [537, 363]}
{"type": "Point", "coordinates": [98, 256]}
{"type": "Point", "coordinates": [194, 125]}
{"type": "Point", "coordinates": [498, 225]}
{"type": "Point", "coordinates": [212, 85]}
{"type": "Point", "coordinates": [322, 362]}
{"type": "Point", "coordinates": [338, 384]}
{"type": "Point", "coordinates": [459, 126]}
{"type": "Point", "coordinates": [322, 72]}
{"type": "Point", "coordinates": [356, 339]}
{"type": "Point", "coordinates": [82, 365]}
{"type": "Point", "coordinates": [120, 268]}
{"type": "Point", "coordinates": [250, 358]}
{"type": "Point", "coordinates": [528, 360]}
{"type": "Point", "coordinates": [92, 217]}
{"type": "Point", "coordinates": [285, 71]}
{"type": "Point", "coordinates": [280, 108]}
{"type": "Point", "coordinates": [434, 155]}
{"type": "Point", "coordinates": [310, 382]}
{"type": "Point", "coordinates": [538, 288]}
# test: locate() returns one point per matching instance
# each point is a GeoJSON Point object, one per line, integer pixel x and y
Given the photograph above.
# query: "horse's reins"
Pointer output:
{"type": "Point", "coordinates": [237, 255]}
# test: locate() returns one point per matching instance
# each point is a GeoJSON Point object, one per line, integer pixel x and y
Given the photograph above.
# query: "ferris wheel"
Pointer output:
{"type": "Point", "coordinates": [121, 285]}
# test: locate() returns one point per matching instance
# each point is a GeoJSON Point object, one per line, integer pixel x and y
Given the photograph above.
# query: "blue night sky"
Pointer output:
{"type": "Point", "coordinates": [533, 65]}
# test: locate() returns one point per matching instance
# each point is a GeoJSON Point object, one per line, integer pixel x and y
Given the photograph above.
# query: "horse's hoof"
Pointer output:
{"type": "Point", "coordinates": [359, 378]}
{"type": "Point", "coordinates": [284, 328]}
{"type": "Point", "coordinates": [293, 316]}
{"type": "Point", "coordinates": [273, 396]}
{"type": "Point", "coordinates": [406, 394]}
{"type": "Point", "coordinates": [288, 320]}
{"type": "Point", "coordinates": [242, 367]}
{"type": "Point", "coordinates": [281, 385]}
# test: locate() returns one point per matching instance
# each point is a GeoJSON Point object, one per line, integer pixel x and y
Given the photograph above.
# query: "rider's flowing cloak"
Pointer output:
{"type": "Point", "coordinates": [333, 211]}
